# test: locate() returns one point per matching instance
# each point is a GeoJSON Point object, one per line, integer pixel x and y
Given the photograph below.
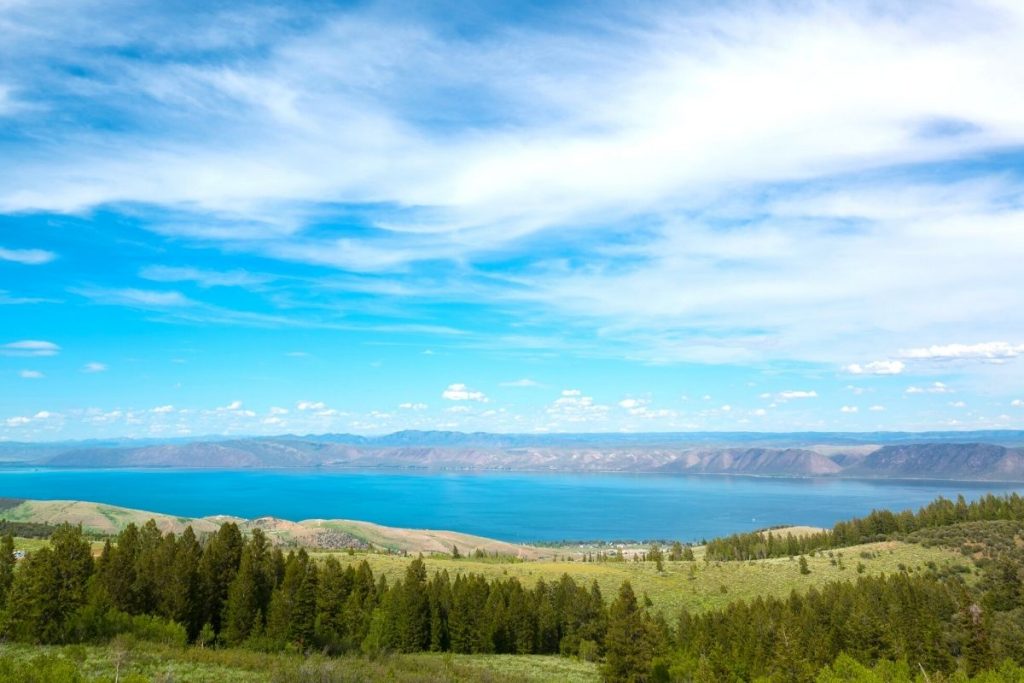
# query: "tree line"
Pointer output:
{"type": "Point", "coordinates": [233, 590]}
{"type": "Point", "coordinates": [876, 526]}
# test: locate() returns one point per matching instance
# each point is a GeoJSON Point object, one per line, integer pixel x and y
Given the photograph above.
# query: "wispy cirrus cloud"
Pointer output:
{"type": "Point", "coordinates": [27, 257]}
{"type": "Point", "coordinates": [29, 348]}
{"type": "Point", "coordinates": [983, 351]}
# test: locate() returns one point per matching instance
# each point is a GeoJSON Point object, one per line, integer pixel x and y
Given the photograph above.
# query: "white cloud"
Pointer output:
{"type": "Point", "coordinates": [849, 409]}
{"type": "Point", "coordinates": [30, 348]}
{"type": "Point", "coordinates": [524, 382]}
{"type": "Point", "coordinates": [460, 392]}
{"type": "Point", "coordinates": [958, 404]}
{"type": "Point", "coordinates": [933, 388]}
{"type": "Point", "coordinates": [986, 351]}
{"type": "Point", "coordinates": [94, 367]}
{"type": "Point", "coordinates": [276, 411]}
{"type": "Point", "coordinates": [878, 367]}
{"type": "Point", "coordinates": [877, 409]}
{"type": "Point", "coordinates": [231, 407]}
{"type": "Point", "coordinates": [573, 407]}
{"type": "Point", "coordinates": [137, 298]}
{"type": "Point", "coordinates": [788, 395]}
{"type": "Point", "coordinates": [760, 412]}
{"type": "Point", "coordinates": [726, 408]}
{"type": "Point", "coordinates": [31, 374]}
{"type": "Point", "coordinates": [412, 406]}
{"type": "Point", "coordinates": [311, 405]}
{"type": "Point", "coordinates": [675, 112]}
{"type": "Point", "coordinates": [626, 402]}
{"type": "Point", "coordinates": [28, 257]}
{"type": "Point", "coordinates": [1017, 403]}
{"type": "Point", "coordinates": [17, 421]}
{"type": "Point", "coordinates": [204, 278]}
{"type": "Point", "coordinates": [163, 410]}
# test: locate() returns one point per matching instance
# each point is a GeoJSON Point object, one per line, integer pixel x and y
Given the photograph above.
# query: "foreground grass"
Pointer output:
{"type": "Point", "coordinates": [698, 585]}
{"type": "Point", "coordinates": [132, 663]}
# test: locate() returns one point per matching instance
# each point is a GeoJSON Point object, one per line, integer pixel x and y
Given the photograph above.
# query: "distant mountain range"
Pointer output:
{"type": "Point", "coordinates": [983, 456]}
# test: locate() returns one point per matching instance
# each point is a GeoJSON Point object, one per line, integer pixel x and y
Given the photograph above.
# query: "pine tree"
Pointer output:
{"type": "Point", "coordinates": [50, 588]}
{"type": "Point", "coordinates": [249, 594]}
{"type": "Point", "coordinates": [180, 593]}
{"type": "Point", "coordinates": [413, 609]}
{"type": "Point", "coordinates": [676, 554]}
{"type": "Point", "coordinates": [627, 646]}
{"type": "Point", "coordinates": [7, 563]}
{"type": "Point", "coordinates": [217, 568]}
{"type": "Point", "coordinates": [655, 555]}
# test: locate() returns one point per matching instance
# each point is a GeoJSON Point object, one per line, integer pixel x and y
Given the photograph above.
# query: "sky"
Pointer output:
{"type": "Point", "coordinates": [268, 218]}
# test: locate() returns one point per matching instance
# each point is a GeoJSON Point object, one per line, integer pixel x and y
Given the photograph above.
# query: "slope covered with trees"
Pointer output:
{"type": "Point", "coordinates": [231, 590]}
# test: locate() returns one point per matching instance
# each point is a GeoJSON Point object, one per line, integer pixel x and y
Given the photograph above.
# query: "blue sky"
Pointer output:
{"type": "Point", "coordinates": [260, 218]}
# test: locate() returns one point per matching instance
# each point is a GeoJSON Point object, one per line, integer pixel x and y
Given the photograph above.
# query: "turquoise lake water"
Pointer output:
{"type": "Point", "coordinates": [514, 507]}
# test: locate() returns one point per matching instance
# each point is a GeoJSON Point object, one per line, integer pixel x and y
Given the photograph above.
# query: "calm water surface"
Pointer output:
{"type": "Point", "coordinates": [515, 507]}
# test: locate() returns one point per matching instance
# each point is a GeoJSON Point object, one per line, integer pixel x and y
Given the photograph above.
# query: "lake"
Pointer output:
{"type": "Point", "coordinates": [509, 506]}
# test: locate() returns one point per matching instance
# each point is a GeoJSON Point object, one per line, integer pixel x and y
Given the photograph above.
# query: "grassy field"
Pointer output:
{"type": "Point", "coordinates": [144, 662]}
{"type": "Point", "coordinates": [695, 585]}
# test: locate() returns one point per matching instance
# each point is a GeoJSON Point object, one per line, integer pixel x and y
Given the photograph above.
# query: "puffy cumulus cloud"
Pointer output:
{"type": "Point", "coordinates": [878, 367]}
{"type": "Point", "coordinates": [1017, 403]}
{"type": "Point", "coordinates": [958, 404]}
{"type": "Point", "coordinates": [275, 410]}
{"type": "Point", "coordinates": [27, 257]}
{"type": "Point", "coordinates": [997, 350]}
{"type": "Point", "coordinates": [760, 412]}
{"type": "Point", "coordinates": [231, 407]}
{"type": "Point", "coordinates": [163, 410]}
{"type": "Point", "coordinates": [30, 348]}
{"type": "Point", "coordinates": [408, 405]}
{"type": "Point", "coordinates": [849, 409]}
{"type": "Point", "coordinates": [877, 409]}
{"type": "Point", "coordinates": [795, 394]}
{"type": "Point", "coordinates": [31, 374]}
{"type": "Point", "coordinates": [640, 407]}
{"type": "Point", "coordinates": [933, 388]}
{"type": "Point", "coordinates": [94, 367]}
{"type": "Point", "coordinates": [572, 406]}
{"type": "Point", "coordinates": [460, 392]}
{"type": "Point", "coordinates": [317, 409]}
{"type": "Point", "coordinates": [42, 418]}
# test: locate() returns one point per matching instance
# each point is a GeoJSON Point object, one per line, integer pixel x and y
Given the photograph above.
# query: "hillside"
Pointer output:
{"type": "Point", "coordinates": [825, 457]}
{"type": "Point", "coordinates": [943, 461]}
{"type": "Point", "coordinates": [315, 533]}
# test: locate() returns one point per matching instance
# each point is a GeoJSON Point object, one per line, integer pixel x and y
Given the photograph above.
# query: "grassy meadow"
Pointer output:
{"type": "Point", "coordinates": [696, 585]}
{"type": "Point", "coordinates": [128, 662]}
